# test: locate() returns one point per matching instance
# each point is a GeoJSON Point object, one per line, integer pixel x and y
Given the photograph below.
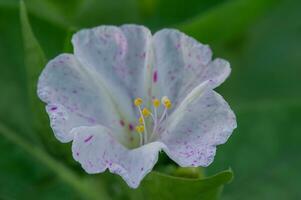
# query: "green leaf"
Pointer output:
{"type": "Point", "coordinates": [78, 13]}
{"type": "Point", "coordinates": [264, 91]}
{"type": "Point", "coordinates": [161, 187]}
{"type": "Point", "coordinates": [158, 14]}
{"type": "Point", "coordinates": [34, 62]}
{"type": "Point", "coordinates": [22, 177]}
{"type": "Point", "coordinates": [13, 105]}
{"type": "Point", "coordinates": [264, 153]}
{"type": "Point", "coordinates": [225, 21]}
{"type": "Point", "coordinates": [189, 172]}
{"type": "Point", "coordinates": [82, 186]}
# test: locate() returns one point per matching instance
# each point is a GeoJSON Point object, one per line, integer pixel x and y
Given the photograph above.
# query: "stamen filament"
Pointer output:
{"type": "Point", "coordinates": [140, 129]}
{"type": "Point", "coordinates": [140, 139]}
{"type": "Point", "coordinates": [155, 119]}
{"type": "Point", "coordinates": [143, 122]}
{"type": "Point", "coordinates": [163, 115]}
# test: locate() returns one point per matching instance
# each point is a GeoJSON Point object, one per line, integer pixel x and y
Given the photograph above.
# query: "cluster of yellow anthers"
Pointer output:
{"type": "Point", "coordinates": [144, 113]}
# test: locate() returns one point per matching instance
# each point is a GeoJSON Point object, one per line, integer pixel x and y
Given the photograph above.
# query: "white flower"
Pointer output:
{"type": "Point", "coordinates": [95, 98]}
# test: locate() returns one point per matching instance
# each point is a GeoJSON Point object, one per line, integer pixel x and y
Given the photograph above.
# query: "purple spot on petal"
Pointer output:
{"type": "Point", "coordinates": [88, 138]}
{"type": "Point", "coordinates": [53, 108]}
{"type": "Point", "coordinates": [77, 154]}
{"type": "Point", "coordinates": [142, 169]}
{"type": "Point", "coordinates": [155, 76]}
{"type": "Point", "coordinates": [131, 127]}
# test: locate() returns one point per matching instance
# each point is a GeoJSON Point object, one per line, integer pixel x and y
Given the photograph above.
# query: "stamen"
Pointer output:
{"type": "Point", "coordinates": [163, 115]}
{"type": "Point", "coordinates": [156, 103]}
{"type": "Point", "coordinates": [140, 120]}
{"type": "Point", "coordinates": [138, 102]}
{"type": "Point", "coordinates": [146, 112]}
{"type": "Point", "coordinates": [142, 128]}
{"type": "Point", "coordinates": [166, 102]}
{"type": "Point", "coordinates": [144, 125]}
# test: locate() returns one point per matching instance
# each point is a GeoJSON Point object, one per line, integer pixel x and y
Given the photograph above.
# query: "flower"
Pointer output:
{"type": "Point", "coordinates": [124, 95]}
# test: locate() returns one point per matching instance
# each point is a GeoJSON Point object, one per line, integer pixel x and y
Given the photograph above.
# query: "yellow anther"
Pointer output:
{"type": "Point", "coordinates": [168, 105]}
{"type": "Point", "coordinates": [145, 112]}
{"type": "Point", "coordinates": [138, 101]}
{"type": "Point", "coordinates": [166, 102]}
{"type": "Point", "coordinates": [140, 120]}
{"type": "Point", "coordinates": [156, 103]}
{"type": "Point", "coordinates": [139, 128]}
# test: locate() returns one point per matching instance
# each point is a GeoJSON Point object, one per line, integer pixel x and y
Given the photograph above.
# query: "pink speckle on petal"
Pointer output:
{"type": "Point", "coordinates": [131, 127]}
{"type": "Point", "coordinates": [88, 138]}
{"type": "Point", "coordinates": [53, 108]}
{"type": "Point", "coordinates": [155, 76]}
{"type": "Point", "coordinates": [90, 163]}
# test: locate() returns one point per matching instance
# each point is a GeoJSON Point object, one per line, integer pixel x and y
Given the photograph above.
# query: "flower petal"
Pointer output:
{"type": "Point", "coordinates": [202, 121]}
{"type": "Point", "coordinates": [182, 63]}
{"type": "Point", "coordinates": [96, 150]}
{"type": "Point", "coordinates": [120, 55]}
{"type": "Point", "coordinates": [74, 98]}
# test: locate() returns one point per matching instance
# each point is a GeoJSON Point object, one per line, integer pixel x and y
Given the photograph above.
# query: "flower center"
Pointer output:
{"type": "Point", "coordinates": [145, 113]}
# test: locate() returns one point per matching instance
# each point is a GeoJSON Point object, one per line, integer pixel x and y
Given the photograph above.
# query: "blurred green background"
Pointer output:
{"type": "Point", "coordinates": [260, 38]}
